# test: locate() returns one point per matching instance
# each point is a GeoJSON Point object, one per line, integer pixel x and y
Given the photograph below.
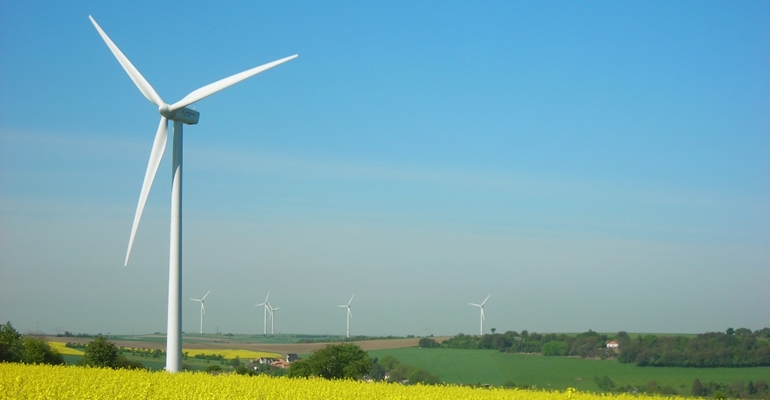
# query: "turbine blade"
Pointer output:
{"type": "Point", "coordinates": [350, 313]}
{"type": "Point", "coordinates": [485, 300]}
{"type": "Point", "coordinates": [203, 308]}
{"type": "Point", "coordinates": [132, 72]}
{"type": "Point", "coordinates": [351, 299]}
{"type": "Point", "coordinates": [342, 306]}
{"type": "Point", "coordinates": [204, 297]}
{"type": "Point", "coordinates": [474, 304]}
{"type": "Point", "coordinates": [156, 154]}
{"type": "Point", "coordinates": [208, 90]}
{"type": "Point", "coordinates": [266, 297]}
{"type": "Point", "coordinates": [482, 315]}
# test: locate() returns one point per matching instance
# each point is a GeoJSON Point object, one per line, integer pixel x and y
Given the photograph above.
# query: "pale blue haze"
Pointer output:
{"type": "Point", "coordinates": [591, 165]}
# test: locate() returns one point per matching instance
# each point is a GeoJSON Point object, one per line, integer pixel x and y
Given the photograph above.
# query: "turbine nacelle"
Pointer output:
{"type": "Point", "coordinates": [184, 115]}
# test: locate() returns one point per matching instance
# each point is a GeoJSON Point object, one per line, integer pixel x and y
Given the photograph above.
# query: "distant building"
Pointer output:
{"type": "Point", "coordinates": [280, 364]}
{"type": "Point", "coordinates": [266, 360]}
{"type": "Point", "coordinates": [291, 357]}
{"type": "Point", "coordinates": [612, 344]}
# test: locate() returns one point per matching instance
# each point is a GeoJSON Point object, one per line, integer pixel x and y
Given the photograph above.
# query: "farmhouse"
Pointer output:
{"type": "Point", "coordinates": [280, 364]}
{"type": "Point", "coordinates": [266, 360]}
{"type": "Point", "coordinates": [612, 344]}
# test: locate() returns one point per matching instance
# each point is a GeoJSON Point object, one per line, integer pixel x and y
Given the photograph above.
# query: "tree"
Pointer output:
{"type": "Point", "coordinates": [555, 348]}
{"type": "Point", "coordinates": [698, 389]}
{"type": "Point", "coordinates": [100, 353]}
{"type": "Point", "coordinates": [11, 346]}
{"type": "Point", "coordinates": [337, 361]}
{"type": "Point", "coordinates": [493, 330]}
{"type": "Point", "coordinates": [428, 343]}
{"type": "Point", "coordinates": [38, 351]}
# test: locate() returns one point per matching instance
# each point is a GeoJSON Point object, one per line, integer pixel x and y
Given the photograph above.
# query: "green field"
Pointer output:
{"type": "Point", "coordinates": [492, 367]}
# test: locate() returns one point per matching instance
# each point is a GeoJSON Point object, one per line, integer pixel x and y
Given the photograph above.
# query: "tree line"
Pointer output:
{"type": "Point", "coordinates": [732, 348]}
{"type": "Point", "coordinates": [587, 344]}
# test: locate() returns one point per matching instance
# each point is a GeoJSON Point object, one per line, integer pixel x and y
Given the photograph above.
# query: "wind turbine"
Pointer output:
{"type": "Point", "coordinates": [350, 314]}
{"type": "Point", "coordinates": [267, 309]}
{"type": "Point", "coordinates": [272, 318]}
{"type": "Point", "coordinates": [203, 309]}
{"type": "Point", "coordinates": [180, 114]}
{"type": "Point", "coordinates": [481, 307]}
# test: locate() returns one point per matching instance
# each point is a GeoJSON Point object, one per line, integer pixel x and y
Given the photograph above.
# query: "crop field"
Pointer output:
{"type": "Point", "coordinates": [210, 344]}
{"type": "Point", "coordinates": [232, 353]}
{"type": "Point", "coordinates": [492, 367]}
{"type": "Point", "coordinates": [18, 381]}
{"type": "Point", "coordinates": [64, 350]}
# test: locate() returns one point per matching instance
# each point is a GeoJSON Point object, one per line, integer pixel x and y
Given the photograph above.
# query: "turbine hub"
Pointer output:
{"type": "Point", "coordinates": [165, 110]}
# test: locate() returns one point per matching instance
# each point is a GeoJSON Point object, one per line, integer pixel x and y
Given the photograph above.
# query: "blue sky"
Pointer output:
{"type": "Point", "coordinates": [591, 165]}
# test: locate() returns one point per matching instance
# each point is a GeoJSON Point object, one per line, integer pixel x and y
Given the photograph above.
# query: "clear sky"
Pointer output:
{"type": "Point", "coordinates": [591, 165]}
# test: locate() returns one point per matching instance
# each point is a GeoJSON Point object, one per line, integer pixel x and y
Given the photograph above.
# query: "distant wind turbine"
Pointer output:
{"type": "Point", "coordinates": [267, 309]}
{"type": "Point", "coordinates": [203, 309]}
{"type": "Point", "coordinates": [180, 114]}
{"type": "Point", "coordinates": [481, 307]}
{"type": "Point", "coordinates": [272, 318]}
{"type": "Point", "coordinates": [350, 314]}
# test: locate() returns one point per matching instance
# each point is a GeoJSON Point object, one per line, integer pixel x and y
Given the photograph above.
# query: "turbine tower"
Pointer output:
{"type": "Point", "coordinates": [203, 309]}
{"type": "Point", "coordinates": [350, 314]}
{"type": "Point", "coordinates": [272, 318]}
{"type": "Point", "coordinates": [267, 310]}
{"type": "Point", "coordinates": [481, 307]}
{"type": "Point", "coordinates": [180, 114]}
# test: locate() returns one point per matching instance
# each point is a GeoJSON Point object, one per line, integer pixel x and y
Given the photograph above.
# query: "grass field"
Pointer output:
{"type": "Point", "coordinates": [493, 367]}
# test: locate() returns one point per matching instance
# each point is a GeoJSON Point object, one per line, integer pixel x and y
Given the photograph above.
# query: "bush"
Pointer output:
{"type": "Point", "coordinates": [337, 361]}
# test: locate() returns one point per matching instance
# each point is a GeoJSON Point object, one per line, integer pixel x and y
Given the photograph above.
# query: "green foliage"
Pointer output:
{"type": "Point", "coordinates": [428, 343]}
{"type": "Point", "coordinates": [340, 361]}
{"type": "Point", "coordinates": [605, 383]}
{"type": "Point", "coordinates": [235, 362]}
{"type": "Point", "coordinates": [101, 353]}
{"type": "Point", "coordinates": [104, 354]}
{"type": "Point", "coordinates": [404, 373]}
{"type": "Point", "coordinates": [736, 390]}
{"type": "Point", "coordinates": [27, 349]}
{"type": "Point", "coordinates": [555, 348]}
{"type": "Point", "coordinates": [11, 347]}
{"type": "Point", "coordinates": [38, 351]}
{"type": "Point", "coordinates": [462, 341]}
{"type": "Point", "coordinates": [707, 350]}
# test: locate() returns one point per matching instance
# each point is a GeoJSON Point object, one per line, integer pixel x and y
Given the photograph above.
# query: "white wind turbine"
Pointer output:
{"type": "Point", "coordinates": [272, 318]}
{"type": "Point", "coordinates": [180, 114]}
{"type": "Point", "coordinates": [203, 309]}
{"type": "Point", "coordinates": [267, 310]}
{"type": "Point", "coordinates": [481, 307]}
{"type": "Point", "coordinates": [350, 314]}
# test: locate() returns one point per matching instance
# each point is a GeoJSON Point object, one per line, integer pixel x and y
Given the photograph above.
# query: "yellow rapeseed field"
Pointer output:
{"type": "Point", "coordinates": [19, 381]}
{"type": "Point", "coordinates": [232, 353]}
{"type": "Point", "coordinates": [63, 349]}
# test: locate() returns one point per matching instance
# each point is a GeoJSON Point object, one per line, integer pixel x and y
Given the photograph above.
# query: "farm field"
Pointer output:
{"type": "Point", "coordinates": [492, 367]}
{"type": "Point", "coordinates": [20, 381]}
{"type": "Point", "coordinates": [281, 344]}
